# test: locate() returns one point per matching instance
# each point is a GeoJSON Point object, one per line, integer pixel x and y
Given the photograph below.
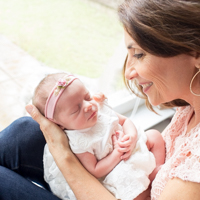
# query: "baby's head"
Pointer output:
{"type": "Point", "coordinates": [65, 100]}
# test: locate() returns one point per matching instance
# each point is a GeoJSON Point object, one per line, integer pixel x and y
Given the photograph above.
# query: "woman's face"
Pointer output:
{"type": "Point", "coordinates": [162, 79]}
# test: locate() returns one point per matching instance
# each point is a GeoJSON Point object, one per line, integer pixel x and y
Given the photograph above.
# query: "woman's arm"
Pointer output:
{"type": "Point", "coordinates": [177, 189]}
{"type": "Point", "coordinates": [83, 184]}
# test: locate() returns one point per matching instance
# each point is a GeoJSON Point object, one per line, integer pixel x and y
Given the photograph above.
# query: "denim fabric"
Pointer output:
{"type": "Point", "coordinates": [21, 161]}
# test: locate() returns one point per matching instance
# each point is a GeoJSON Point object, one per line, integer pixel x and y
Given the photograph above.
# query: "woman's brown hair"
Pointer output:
{"type": "Point", "coordinates": [164, 28]}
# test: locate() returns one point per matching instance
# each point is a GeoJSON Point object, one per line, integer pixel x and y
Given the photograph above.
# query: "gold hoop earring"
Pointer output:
{"type": "Point", "coordinates": [192, 82]}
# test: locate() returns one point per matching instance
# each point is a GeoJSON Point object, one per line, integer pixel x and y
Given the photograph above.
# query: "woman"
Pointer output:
{"type": "Point", "coordinates": [163, 42]}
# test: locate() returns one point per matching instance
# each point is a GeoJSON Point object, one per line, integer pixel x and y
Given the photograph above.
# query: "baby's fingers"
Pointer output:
{"type": "Point", "coordinates": [125, 138]}
{"type": "Point", "coordinates": [124, 144]}
{"type": "Point", "coordinates": [119, 135]}
{"type": "Point", "coordinates": [126, 156]}
{"type": "Point", "coordinates": [100, 97]}
{"type": "Point", "coordinates": [114, 138]}
{"type": "Point", "coordinates": [124, 150]}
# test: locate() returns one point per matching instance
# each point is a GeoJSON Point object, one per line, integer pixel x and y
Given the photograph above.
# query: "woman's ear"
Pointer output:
{"type": "Point", "coordinates": [197, 55]}
{"type": "Point", "coordinates": [197, 59]}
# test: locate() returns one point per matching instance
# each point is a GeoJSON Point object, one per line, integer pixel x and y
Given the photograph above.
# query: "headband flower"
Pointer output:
{"type": "Point", "coordinates": [62, 83]}
{"type": "Point", "coordinates": [55, 94]}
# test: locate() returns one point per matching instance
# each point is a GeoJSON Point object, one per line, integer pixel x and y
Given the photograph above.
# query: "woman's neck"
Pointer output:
{"type": "Point", "coordinates": [194, 119]}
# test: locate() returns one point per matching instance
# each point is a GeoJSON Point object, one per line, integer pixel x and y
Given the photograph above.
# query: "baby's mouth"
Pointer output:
{"type": "Point", "coordinates": [92, 115]}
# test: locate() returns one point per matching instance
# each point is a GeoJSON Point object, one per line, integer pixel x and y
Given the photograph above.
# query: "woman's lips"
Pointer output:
{"type": "Point", "coordinates": [146, 86]}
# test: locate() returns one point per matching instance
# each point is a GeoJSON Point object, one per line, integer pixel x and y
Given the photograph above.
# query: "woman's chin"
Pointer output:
{"type": "Point", "coordinates": [153, 102]}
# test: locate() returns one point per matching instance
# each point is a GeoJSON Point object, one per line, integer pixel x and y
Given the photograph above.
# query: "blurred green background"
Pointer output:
{"type": "Point", "coordinates": [74, 35]}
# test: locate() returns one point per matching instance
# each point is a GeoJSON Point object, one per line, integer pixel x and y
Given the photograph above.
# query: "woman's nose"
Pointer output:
{"type": "Point", "coordinates": [130, 73]}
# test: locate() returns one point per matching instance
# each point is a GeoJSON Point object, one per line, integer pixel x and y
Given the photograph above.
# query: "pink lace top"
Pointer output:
{"type": "Point", "coordinates": [182, 152]}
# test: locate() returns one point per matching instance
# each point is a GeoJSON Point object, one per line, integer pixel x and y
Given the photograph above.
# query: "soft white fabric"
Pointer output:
{"type": "Point", "coordinates": [126, 181]}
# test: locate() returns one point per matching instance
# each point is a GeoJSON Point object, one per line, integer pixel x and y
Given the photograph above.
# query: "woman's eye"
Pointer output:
{"type": "Point", "coordinates": [138, 56]}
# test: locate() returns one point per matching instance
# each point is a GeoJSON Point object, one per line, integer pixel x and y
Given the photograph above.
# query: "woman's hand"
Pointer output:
{"type": "Point", "coordinates": [82, 183]}
{"type": "Point", "coordinates": [55, 137]}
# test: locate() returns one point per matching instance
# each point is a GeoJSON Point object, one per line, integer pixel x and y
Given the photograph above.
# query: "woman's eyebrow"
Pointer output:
{"type": "Point", "coordinates": [132, 45]}
{"type": "Point", "coordinates": [129, 46]}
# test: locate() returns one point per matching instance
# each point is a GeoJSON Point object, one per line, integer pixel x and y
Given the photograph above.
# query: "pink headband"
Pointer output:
{"type": "Point", "coordinates": [55, 94]}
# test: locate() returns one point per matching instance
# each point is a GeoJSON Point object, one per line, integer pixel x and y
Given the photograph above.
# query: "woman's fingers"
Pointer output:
{"type": "Point", "coordinates": [44, 123]}
{"type": "Point", "coordinates": [39, 118]}
{"type": "Point", "coordinates": [35, 114]}
{"type": "Point", "coordinates": [52, 133]}
{"type": "Point", "coordinates": [55, 137]}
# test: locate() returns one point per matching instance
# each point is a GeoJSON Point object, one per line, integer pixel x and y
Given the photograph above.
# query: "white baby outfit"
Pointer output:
{"type": "Point", "coordinates": [126, 181]}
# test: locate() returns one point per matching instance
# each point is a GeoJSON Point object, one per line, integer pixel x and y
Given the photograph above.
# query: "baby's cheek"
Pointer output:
{"type": "Point", "coordinates": [80, 122]}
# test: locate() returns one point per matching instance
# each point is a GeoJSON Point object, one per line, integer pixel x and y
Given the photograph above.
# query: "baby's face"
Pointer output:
{"type": "Point", "coordinates": [76, 109]}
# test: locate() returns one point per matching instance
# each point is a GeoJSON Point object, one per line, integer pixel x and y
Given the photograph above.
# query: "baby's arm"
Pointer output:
{"type": "Point", "coordinates": [105, 165]}
{"type": "Point", "coordinates": [156, 145]}
{"type": "Point", "coordinates": [128, 141]}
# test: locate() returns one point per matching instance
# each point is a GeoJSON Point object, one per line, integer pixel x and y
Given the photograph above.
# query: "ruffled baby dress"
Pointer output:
{"type": "Point", "coordinates": [126, 181]}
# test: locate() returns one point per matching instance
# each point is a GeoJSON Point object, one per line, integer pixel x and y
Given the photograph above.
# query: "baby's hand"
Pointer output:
{"type": "Point", "coordinates": [99, 97]}
{"type": "Point", "coordinates": [127, 145]}
{"type": "Point", "coordinates": [115, 139]}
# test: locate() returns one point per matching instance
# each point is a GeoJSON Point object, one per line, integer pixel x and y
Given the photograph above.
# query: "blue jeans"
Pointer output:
{"type": "Point", "coordinates": [21, 162]}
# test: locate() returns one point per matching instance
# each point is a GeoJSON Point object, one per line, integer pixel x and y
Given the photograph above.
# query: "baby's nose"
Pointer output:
{"type": "Point", "coordinates": [88, 107]}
